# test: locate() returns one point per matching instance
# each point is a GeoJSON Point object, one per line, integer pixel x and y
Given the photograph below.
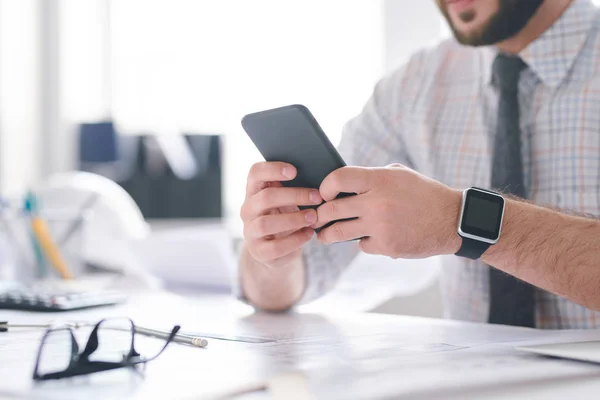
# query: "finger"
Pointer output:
{"type": "Point", "coordinates": [289, 209]}
{"type": "Point", "coordinates": [334, 210]}
{"type": "Point", "coordinates": [343, 231]}
{"type": "Point", "coordinates": [280, 223]}
{"type": "Point", "coordinates": [368, 246]}
{"type": "Point", "coordinates": [287, 233]}
{"type": "Point", "coordinates": [346, 179]}
{"type": "Point", "coordinates": [263, 172]}
{"type": "Point", "coordinates": [268, 250]}
{"type": "Point", "coordinates": [275, 197]}
{"type": "Point", "coordinates": [283, 234]}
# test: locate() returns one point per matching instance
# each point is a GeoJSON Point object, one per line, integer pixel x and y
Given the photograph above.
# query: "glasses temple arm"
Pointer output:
{"type": "Point", "coordinates": [176, 329]}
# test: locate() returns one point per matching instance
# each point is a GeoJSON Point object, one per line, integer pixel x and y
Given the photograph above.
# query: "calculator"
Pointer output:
{"type": "Point", "coordinates": [28, 299]}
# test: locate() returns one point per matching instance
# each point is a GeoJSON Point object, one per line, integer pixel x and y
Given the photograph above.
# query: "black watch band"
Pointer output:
{"type": "Point", "coordinates": [472, 249]}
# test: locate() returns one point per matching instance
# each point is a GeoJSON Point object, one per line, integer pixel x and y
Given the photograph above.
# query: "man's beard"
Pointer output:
{"type": "Point", "coordinates": [510, 19]}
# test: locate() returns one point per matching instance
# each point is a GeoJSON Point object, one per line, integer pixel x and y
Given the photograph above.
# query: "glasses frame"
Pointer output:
{"type": "Point", "coordinates": [80, 363]}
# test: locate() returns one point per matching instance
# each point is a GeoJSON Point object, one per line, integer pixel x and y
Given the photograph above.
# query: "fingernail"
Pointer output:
{"type": "Point", "coordinates": [311, 217]}
{"type": "Point", "coordinates": [315, 197]}
{"type": "Point", "coordinates": [288, 172]}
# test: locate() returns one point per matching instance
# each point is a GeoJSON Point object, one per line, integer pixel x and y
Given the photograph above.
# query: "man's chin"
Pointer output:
{"type": "Point", "coordinates": [469, 29]}
{"type": "Point", "coordinates": [508, 21]}
{"type": "Point", "coordinates": [471, 37]}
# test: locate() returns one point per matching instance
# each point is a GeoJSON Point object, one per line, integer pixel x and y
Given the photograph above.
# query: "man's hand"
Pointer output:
{"type": "Point", "coordinates": [271, 267]}
{"type": "Point", "coordinates": [274, 228]}
{"type": "Point", "coordinates": [400, 213]}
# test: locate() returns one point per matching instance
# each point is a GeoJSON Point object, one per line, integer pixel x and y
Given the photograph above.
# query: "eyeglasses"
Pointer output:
{"type": "Point", "coordinates": [111, 345]}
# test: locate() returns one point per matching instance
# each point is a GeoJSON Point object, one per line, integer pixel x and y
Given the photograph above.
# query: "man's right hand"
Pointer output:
{"type": "Point", "coordinates": [275, 229]}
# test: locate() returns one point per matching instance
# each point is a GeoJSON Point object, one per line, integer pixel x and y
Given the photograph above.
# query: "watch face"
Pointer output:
{"type": "Point", "coordinates": [482, 215]}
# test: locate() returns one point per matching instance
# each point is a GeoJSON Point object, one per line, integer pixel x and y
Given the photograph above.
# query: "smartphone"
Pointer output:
{"type": "Point", "coordinates": [291, 134]}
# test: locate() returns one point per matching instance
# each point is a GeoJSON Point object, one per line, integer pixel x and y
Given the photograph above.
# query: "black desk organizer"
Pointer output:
{"type": "Point", "coordinates": [158, 191]}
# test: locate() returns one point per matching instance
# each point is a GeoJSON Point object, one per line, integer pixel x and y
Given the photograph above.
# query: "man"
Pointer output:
{"type": "Point", "coordinates": [513, 107]}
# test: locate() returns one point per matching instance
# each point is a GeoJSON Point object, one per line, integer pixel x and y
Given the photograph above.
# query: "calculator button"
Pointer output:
{"type": "Point", "coordinates": [57, 301]}
{"type": "Point", "coordinates": [42, 303]}
{"type": "Point", "coordinates": [15, 298]}
{"type": "Point", "coordinates": [43, 298]}
{"type": "Point", "coordinates": [29, 298]}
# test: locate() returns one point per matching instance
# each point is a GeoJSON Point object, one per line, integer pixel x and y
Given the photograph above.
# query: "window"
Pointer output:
{"type": "Point", "coordinates": [19, 96]}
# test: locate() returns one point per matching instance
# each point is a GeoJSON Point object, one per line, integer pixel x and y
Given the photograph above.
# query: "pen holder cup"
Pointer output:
{"type": "Point", "coordinates": [24, 257]}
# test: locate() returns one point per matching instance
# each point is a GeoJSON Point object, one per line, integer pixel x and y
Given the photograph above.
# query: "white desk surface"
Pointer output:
{"type": "Point", "coordinates": [352, 356]}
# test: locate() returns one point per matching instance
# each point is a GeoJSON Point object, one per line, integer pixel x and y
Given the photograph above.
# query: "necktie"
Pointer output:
{"type": "Point", "coordinates": [511, 300]}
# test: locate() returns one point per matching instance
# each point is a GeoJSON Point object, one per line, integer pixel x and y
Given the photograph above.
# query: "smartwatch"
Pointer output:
{"type": "Point", "coordinates": [480, 222]}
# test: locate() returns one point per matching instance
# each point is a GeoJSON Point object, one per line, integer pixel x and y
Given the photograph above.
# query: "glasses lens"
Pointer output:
{"type": "Point", "coordinates": [114, 340]}
{"type": "Point", "coordinates": [55, 354]}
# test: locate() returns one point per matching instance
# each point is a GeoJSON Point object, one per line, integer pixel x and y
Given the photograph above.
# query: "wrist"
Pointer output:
{"type": "Point", "coordinates": [272, 288]}
{"type": "Point", "coordinates": [510, 236]}
{"type": "Point", "coordinates": [451, 241]}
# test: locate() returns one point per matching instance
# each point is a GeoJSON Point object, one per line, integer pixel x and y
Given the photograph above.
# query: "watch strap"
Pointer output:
{"type": "Point", "coordinates": [472, 249]}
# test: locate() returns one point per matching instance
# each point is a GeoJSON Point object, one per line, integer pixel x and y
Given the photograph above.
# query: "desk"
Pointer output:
{"type": "Point", "coordinates": [352, 356]}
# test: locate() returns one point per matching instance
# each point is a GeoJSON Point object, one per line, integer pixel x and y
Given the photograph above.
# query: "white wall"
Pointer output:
{"type": "Point", "coordinates": [409, 25]}
{"type": "Point", "coordinates": [77, 75]}
{"type": "Point", "coordinates": [55, 71]}
{"type": "Point", "coordinates": [53, 74]}
{"type": "Point", "coordinates": [20, 93]}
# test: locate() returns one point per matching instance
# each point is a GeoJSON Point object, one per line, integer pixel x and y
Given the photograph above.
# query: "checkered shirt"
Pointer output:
{"type": "Point", "coordinates": [437, 114]}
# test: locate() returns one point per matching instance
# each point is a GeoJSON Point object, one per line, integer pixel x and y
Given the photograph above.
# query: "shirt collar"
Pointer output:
{"type": "Point", "coordinates": [552, 55]}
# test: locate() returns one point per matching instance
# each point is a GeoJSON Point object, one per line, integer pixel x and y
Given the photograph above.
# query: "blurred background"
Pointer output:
{"type": "Point", "coordinates": [149, 94]}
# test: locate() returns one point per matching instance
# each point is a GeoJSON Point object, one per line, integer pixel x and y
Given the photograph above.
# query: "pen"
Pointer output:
{"type": "Point", "coordinates": [179, 338]}
{"type": "Point", "coordinates": [42, 234]}
{"type": "Point", "coordinates": [37, 250]}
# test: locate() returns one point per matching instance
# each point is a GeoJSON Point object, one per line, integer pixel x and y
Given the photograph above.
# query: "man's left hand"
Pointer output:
{"type": "Point", "coordinates": [400, 213]}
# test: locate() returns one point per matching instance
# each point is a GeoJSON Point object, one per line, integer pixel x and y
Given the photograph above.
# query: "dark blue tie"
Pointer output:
{"type": "Point", "coordinates": [511, 300]}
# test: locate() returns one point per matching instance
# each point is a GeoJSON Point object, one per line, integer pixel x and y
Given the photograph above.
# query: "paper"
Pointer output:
{"type": "Point", "coordinates": [374, 357]}
{"type": "Point", "coordinates": [342, 356]}
{"type": "Point", "coordinates": [581, 351]}
{"type": "Point", "coordinates": [448, 375]}
{"type": "Point", "coordinates": [178, 154]}
{"type": "Point", "coordinates": [199, 256]}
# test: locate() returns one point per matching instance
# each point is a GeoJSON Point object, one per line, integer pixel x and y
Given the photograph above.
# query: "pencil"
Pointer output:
{"type": "Point", "coordinates": [41, 233]}
{"type": "Point", "coordinates": [40, 229]}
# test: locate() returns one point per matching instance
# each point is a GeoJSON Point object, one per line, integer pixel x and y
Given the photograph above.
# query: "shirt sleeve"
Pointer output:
{"type": "Point", "coordinates": [372, 139]}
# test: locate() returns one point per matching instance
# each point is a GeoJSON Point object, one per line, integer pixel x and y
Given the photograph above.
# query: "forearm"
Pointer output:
{"type": "Point", "coordinates": [270, 288]}
{"type": "Point", "coordinates": [552, 250]}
